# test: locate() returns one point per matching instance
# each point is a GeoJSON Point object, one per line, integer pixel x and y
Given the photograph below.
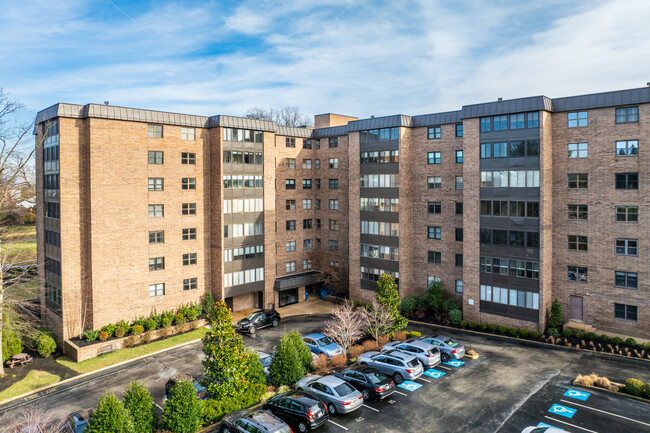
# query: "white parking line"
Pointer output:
{"type": "Point", "coordinates": [420, 378]}
{"type": "Point", "coordinates": [371, 408]}
{"type": "Point", "coordinates": [568, 423]}
{"type": "Point", "coordinates": [400, 393]}
{"type": "Point", "coordinates": [604, 411]}
{"type": "Point", "coordinates": [442, 366]}
{"type": "Point", "coordinates": [338, 425]}
{"type": "Point", "coordinates": [159, 406]}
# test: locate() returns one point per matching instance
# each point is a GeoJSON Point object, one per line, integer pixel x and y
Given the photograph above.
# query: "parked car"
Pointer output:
{"type": "Point", "coordinates": [258, 320]}
{"type": "Point", "coordinates": [337, 394]}
{"type": "Point", "coordinates": [78, 421]}
{"type": "Point", "coordinates": [369, 382]}
{"type": "Point", "coordinates": [266, 360]}
{"type": "Point", "coordinates": [319, 343]}
{"type": "Point", "coordinates": [543, 430]}
{"type": "Point", "coordinates": [399, 365]}
{"type": "Point", "coordinates": [426, 353]}
{"type": "Point", "coordinates": [201, 391]}
{"type": "Point", "coordinates": [258, 421]}
{"type": "Point", "coordinates": [298, 409]}
{"type": "Point", "coordinates": [449, 348]}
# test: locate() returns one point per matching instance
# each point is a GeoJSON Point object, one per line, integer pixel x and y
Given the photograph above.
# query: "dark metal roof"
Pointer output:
{"type": "Point", "coordinates": [380, 122]}
{"type": "Point", "coordinates": [533, 103]}
{"type": "Point", "coordinates": [296, 280]}
{"type": "Point", "coordinates": [242, 123]}
{"type": "Point", "coordinates": [601, 100]}
{"type": "Point", "coordinates": [332, 131]}
{"type": "Point", "coordinates": [437, 118]}
{"type": "Point", "coordinates": [293, 131]}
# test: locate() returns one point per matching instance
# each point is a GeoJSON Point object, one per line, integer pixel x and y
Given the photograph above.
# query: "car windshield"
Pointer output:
{"type": "Point", "coordinates": [451, 343]}
{"type": "Point", "coordinates": [253, 316]}
{"type": "Point", "coordinates": [412, 363]}
{"type": "Point", "coordinates": [376, 377]}
{"type": "Point", "coordinates": [324, 341]}
{"type": "Point", "coordinates": [266, 361]}
{"type": "Point", "coordinates": [343, 389]}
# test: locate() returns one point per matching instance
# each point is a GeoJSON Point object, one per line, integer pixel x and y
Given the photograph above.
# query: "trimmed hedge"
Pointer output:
{"type": "Point", "coordinates": [634, 386]}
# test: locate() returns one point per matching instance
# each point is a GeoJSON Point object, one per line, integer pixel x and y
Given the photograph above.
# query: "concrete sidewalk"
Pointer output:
{"type": "Point", "coordinates": [311, 306]}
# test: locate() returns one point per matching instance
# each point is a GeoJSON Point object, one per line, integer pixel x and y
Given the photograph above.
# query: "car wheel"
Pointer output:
{"type": "Point", "coordinates": [398, 378]}
{"type": "Point", "coordinates": [445, 357]}
{"type": "Point", "coordinates": [252, 330]}
{"type": "Point", "coordinates": [332, 409]}
{"type": "Point", "coordinates": [366, 394]}
{"type": "Point", "coordinates": [302, 427]}
{"type": "Point", "coordinates": [275, 323]}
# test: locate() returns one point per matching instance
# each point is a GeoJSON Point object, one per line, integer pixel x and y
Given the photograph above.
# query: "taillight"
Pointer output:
{"type": "Point", "coordinates": [392, 384]}
{"type": "Point", "coordinates": [309, 414]}
{"type": "Point", "coordinates": [378, 389]}
{"type": "Point", "coordinates": [454, 351]}
{"type": "Point", "coordinates": [345, 403]}
{"type": "Point", "coordinates": [409, 371]}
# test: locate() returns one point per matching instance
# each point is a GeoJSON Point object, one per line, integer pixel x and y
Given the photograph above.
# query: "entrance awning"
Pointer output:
{"type": "Point", "coordinates": [296, 280]}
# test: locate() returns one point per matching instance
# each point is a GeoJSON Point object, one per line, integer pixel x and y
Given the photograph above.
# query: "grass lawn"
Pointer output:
{"type": "Point", "coordinates": [34, 380]}
{"type": "Point", "coordinates": [126, 354]}
{"type": "Point", "coordinates": [19, 251]}
{"type": "Point", "coordinates": [12, 233]}
{"type": "Point", "coordinates": [23, 291]}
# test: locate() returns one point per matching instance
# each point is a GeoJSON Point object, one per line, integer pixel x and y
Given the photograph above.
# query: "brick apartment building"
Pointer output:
{"type": "Point", "coordinates": [510, 203]}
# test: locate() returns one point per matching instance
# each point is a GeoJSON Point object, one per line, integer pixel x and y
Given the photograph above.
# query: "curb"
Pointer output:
{"type": "Point", "coordinates": [526, 341]}
{"type": "Point", "coordinates": [622, 394]}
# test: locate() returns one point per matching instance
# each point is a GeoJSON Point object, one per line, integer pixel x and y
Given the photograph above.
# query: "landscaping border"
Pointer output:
{"type": "Point", "coordinates": [524, 341]}
{"type": "Point", "coordinates": [620, 385]}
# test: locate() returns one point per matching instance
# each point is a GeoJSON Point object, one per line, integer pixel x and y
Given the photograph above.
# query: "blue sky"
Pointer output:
{"type": "Point", "coordinates": [351, 57]}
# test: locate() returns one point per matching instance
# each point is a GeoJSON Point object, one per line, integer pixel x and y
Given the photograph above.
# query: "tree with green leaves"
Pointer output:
{"type": "Point", "coordinates": [303, 351]}
{"type": "Point", "coordinates": [387, 294]}
{"type": "Point", "coordinates": [286, 367]}
{"type": "Point", "coordinates": [556, 316]}
{"type": "Point", "coordinates": [141, 406]}
{"type": "Point", "coordinates": [110, 415]}
{"type": "Point", "coordinates": [183, 411]}
{"type": "Point", "coordinates": [226, 359]}
{"type": "Point", "coordinates": [435, 296]}
{"type": "Point", "coordinates": [255, 370]}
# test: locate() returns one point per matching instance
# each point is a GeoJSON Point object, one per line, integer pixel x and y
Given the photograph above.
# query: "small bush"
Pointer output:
{"type": "Point", "coordinates": [534, 335]}
{"type": "Point", "coordinates": [383, 340]}
{"type": "Point", "coordinates": [45, 345]}
{"type": "Point", "coordinates": [646, 390]}
{"type": "Point", "coordinates": [449, 305]}
{"type": "Point", "coordinates": [150, 324]}
{"type": "Point", "coordinates": [355, 351]}
{"type": "Point", "coordinates": [194, 324]}
{"type": "Point", "coordinates": [208, 302]}
{"type": "Point", "coordinates": [119, 332]}
{"type": "Point", "coordinates": [103, 336]}
{"type": "Point", "coordinates": [179, 319]}
{"type": "Point", "coordinates": [320, 363]}
{"type": "Point", "coordinates": [283, 388]}
{"type": "Point", "coordinates": [147, 337]}
{"type": "Point", "coordinates": [567, 332]}
{"type": "Point", "coordinates": [131, 341]}
{"type": "Point", "coordinates": [266, 396]}
{"type": "Point", "coordinates": [400, 336]}
{"type": "Point", "coordinates": [124, 324]}
{"type": "Point", "coordinates": [503, 329]}
{"type": "Point", "coordinates": [91, 335]}
{"type": "Point", "coordinates": [493, 327]}
{"type": "Point", "coordinates": [604, 338]}
{"type": "Point", "coordinates": [192, 315]}
{"type": "Point", "coordinates": [553, 332]}
{"type": "Point", "coordinates": [587, 380]}
{"type": "Point", "coordinates": [602, 382]}
{"type": "Point", "coordinates": [590, 336]}
{"type": "Point", "coordinates": [630, 342]}
{"type": "Point", "coordinates": [470, 352]}
{"type": "Point", "coordinates": [463, 323]}
{"type": "Point", "coordinates": [483, 326]}
{"type": "Point", "coordinates": [634, 386]}
{"type": "Point", "coordinates": [137, 330]}
{"type": "Point", "coordinates": [409, 305]}
{"type": "Point", "coordinates": [339, 360]}
{"type": "Point", "coordinates": [109, 329]}
{"type": "Point", "coordinates": [580, 335]}
{"type": "Point", "coordinates": [473, 325]}
{"type": "Point", "coordinates": [369, 346]}
{"type": "Point", "coordinates": [455, 316]}
{"type": "Point", "coordinates": [166, 322]}
{"type": "Point", "coordinates": [413, 334]}
{"type": "Point", "coordinates": [524, 333]}
{"type": "Point", "coordinates": [164, 332]}
{"type": "Point", "coordinates": [513, 332]}
{"type": "Point", "coordinates": [617, 340]}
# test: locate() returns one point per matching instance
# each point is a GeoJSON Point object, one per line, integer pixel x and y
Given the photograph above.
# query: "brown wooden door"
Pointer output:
{"type": "Point", "coordinates": [576, 308]}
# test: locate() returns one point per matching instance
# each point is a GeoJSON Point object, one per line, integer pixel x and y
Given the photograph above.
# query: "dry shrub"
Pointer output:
{"type": "Point", "coordinates": [131, 341]}
{"type": "Point", "coordinates": [400, 336]}
{"type": "Point", "coordinates": [369, 346]}
{"type": "Point", "coordinates": [602, 382]}
{"type": "Point", "coordinates": [613, 388]}
{"type": "Point", "coordinates": [184, 327]}
{"type": "Point", "coordinates": [355, 351]}
{"type": "Point", "coordinates": [147, 337]}
{"type": "Point", "coordinates": [164, 332]}
{"type": "Point", "coordinates": [320, 364]}
{"type": "Point", "coordinates": [582, 343]}
{"type": "Point", "coordinates": [194, 324]}
{"type": "Point", "coordinates": [587, 380]}
{"type": "Point", "coordinates": [270, 388]}
{"type": "Point", "coordinates": [470, 352]}
{"type": "Point", "coordinates": [591, 344]}
{"type": "Point", "coordinates": [383, 340]}
{"type": "Point", "coordinates": [339, 360]}
{"type": "Point", "coordinates": [569, 345]}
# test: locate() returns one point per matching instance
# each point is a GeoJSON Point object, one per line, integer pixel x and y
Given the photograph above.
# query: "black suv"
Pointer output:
{"type": "Point", "coordinates": [258, 320]}
{"type": "Point", "coordinates": [298, 409]}
{"type": "Point", "coordinates": [369, 382]}
{"type": "Point", "coordinates": [258, 421]}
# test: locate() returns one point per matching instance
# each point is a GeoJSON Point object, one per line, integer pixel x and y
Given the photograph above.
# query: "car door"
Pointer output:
{"type": "Point", "coordinates": [297, 411]}
{"type": "Point", "coordinates": [381, 364]}
{"type": "Point", "coordinates": [354, 380]}
{"type": "Point", "coordinates": [417, 353]}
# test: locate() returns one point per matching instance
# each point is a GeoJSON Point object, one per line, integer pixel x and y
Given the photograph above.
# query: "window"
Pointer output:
{"type": "Point", "coordinates": [306, 184]}
{"type": "Point", "coordinates": [334, 184]}
{"type": "Point", "coordinates": [578, 243]}
{"type": "Point", "coordinates": [629, 280]}
{"type": "Point", "coordinates": [578, 211]}
{"type": "Point", "coordinates": [532, 270]}
{"type": "Point", "coordinates": [486, 150]}
{"type": "Point", "coordinates": [188, 183]}
{"type": "Point", "coordinates": [533, 120]}
{"type": "Point", "coordinates": [318, 143]}
{"type": "Point", "coordinates": [318, 164]}
{"type": "Point", "coordinates": [290, 246]}
{"type": "Point", "coordinates": [532, 209]}
{"type": "Point", "coordinates": [459, 157]}
{"type": "Point", "coordinates": [459, 234]}
{"type": "Point", "coordinates": [459, 130]}
{"type": "Point", "coordinates": [307, 223]}
{"type": "Point", "coordinates": [306, 203]}
{"type": "Point", "coordinates": [334, 163]}
{"type": "Point", "coordinates": [306, 164]}
{"type": "Point", "coordinates": [306, 143]}
{"type": "Point", "coordinates": [334, 245]}
{"type": "Point", "coordinates": [157, 237]}
{"type": "Point", "coordinates": [627, 180]}
{"type": "Point", "coordinates": [156, 210]}
{"type": "Point", "coordinates": [306, 264]}
{"type": "Point", "coordinates": [187, 134]}
{"type": "Point", "coordinates": [188, 158]}
{"type": "Point", "coordinates": [517, 121]}
{"type": "Point", "coordinates": [501, 150]}
{"type": "Point", "coordinates": [459, 260]}
{"type": "Point", "coordinates": [334, 142]}
{"type": "Point", "coordinates": [334, 204]}
{"type": "Point", "coordinates": [317, 181]}
{"type": "Point", "coordinates": [290, 142]}
{"type": "Point", "coordinates": [189, 209]}
{"type": "Point", "coordinates": [290, 267]}
{"type": "Point", "coordinates": [500, 123]}
{"type": "Point", "coordinates": [189, 284]}
{"type": "Point", "coordinates": [155, 157]}
{"type": "Point", "coordinates": [625, 312]}
{"type": "Point", "coordinates": [627, 247]}
{"type": "Point", "coordinates": [577, 273]}
{"type": "Point", "coordinates": [532, 147]}
{"type": "Point", "coordinates": [627, 115]}
{"type": "Point", "coordinates": [434, 207]}
{"type": "Point", "coordinates": [334, 225]}
{"type": "Point", "coordinates": [434, 133]}
{"type": "Point", "coordinates": [459, 286]}
{"type": "Point", "coordinates": [290, 204]}
{"type": "Point", "coordinates": [459, 208]}
{"type": "Point", "coordinates": [155, 131]}
{"type": "Point", "coordinates": [578, 180]}
{"type": "Point", "coordinates": [434, 182]}
{"type": "Point", "coordinates": [577, 119]}
{"type": "Point", "coordinates": [290, 162]}
{"type": "Point", "coordinates": [434, 257]}
{"type": "Point", "coordinates": [290, 183]}
{"type": "Point", "coordinates": [291, 225]}
{"type": "Point", "coordinates": [307, 244]}
{"type": "Point", "coordinates": [627, 213]}
{"type": "Point", "coordinates": [189, 259]}
{"type": "Point", "coordinates": [317, 224]}
{"type": "Point", "coordinates": [459, 182]}
{"type": "Point", "coordinates": [189, 234]}
{"type": "Point", "coordinates": [317, 204]}
{"type": "Point", "coordinates": [517, 209]}
{"type": "Point", "coordinates": [434, 232]}
{"type": "Point", "coordinates": [627, 148]}
{"type": "Point", "coordinates": [517, 148]}
{"type": "Point", "coordinates": [157, 289]}
{"type": "Point", "coordinates": [156, 263]}
{"type": "Point", "coordinates": [485, 124]}
{"type": "Point", "coordinates": [156, 184]}
{"type": "Point", "coordinates": [578, 150]}
{"type": "Point", "coordinates": [433, 157]}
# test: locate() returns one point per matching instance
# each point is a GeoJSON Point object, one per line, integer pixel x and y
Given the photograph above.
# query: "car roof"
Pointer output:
{"type": "Point", "coordinates": [331, 380]}
{"type": "Point", "coordinates": [298, 395]}
{"type": "Point", "coordinates": [315, 336]}
{"type": "Point", "coordinates": [397, 354]}
{"type": "Point", "coordinates": [418, 343]}
{"type": "Point", "coordinates": [265, 419]}
{"type": "Point", "coordinates": [83, 414]}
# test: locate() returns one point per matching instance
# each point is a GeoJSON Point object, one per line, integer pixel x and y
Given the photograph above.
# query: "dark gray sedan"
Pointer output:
{"type": "Point", "coordinates": [337, 394]}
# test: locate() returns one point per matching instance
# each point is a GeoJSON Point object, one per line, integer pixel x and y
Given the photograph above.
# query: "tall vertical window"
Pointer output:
{"type": "Point", "coordinates": [500, 123]}
{"type": "Point", "coordinates": [459, 182]}
{"type": "Point", "coordinates": [434, 133]}
{"type": "Point", "coordinates": [577, 119]}
{"type": "Point", "coordinates": [187, 134]}
{"type": "Point", "coordinates": [459, 208]}
{"type": "Point", "coordinates": [433, 158]}
{"type": "Point", "coordinates": [459, 130]}
{"type": "Point", "coordinates": [486, 150]}
{"type": "Point", "coordinates": [627, 115]}
{"type": "Point", "coordinates": [155, 157]}
{"type": "Point", "coordinates": [485, 124]}
{"type": "Point", "coordinates": [154, 131]}
{"type": "Point", "coordinates": [533, 120]}
{"type": "Point", "coordinates": [459, 286]}
{"type": "Point", "coordinates": [459, 156]}
{"type": "Point", "coordinates": [459, 260]}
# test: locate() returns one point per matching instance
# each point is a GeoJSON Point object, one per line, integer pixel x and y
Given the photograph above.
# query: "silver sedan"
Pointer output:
{"type": "Point", "coordinates": [337, 394]}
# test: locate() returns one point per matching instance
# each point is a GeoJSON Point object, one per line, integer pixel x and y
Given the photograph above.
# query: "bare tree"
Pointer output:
{"type": "Point", "coordinates": [23, 419]}
{"type": "Point", "coordinates": [378, 319]}
{"type": "Point", "coordinates": [287, 116]}
{"type": "Point", "coordinates": [346, 325]}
